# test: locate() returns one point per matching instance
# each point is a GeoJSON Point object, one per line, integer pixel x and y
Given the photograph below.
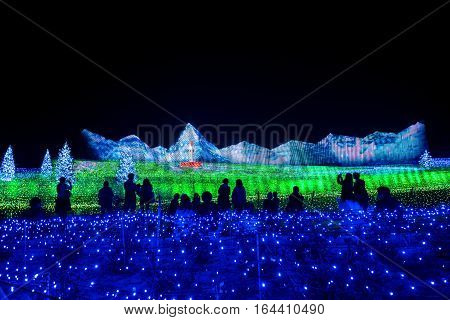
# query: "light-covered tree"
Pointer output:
{"type": "Point", "coordinates": [46, 167]}
{"type": "Point", "coordinates": [8, 169]}
{"type": "Point", "coordinates": [64, 164]}
{"type": "Point", "coordinates": [425, 160]}
{"type": "Point", "coordinates": [126, 165]}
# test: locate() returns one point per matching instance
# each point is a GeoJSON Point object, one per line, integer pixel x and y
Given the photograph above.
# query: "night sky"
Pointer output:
{"type": "Point", "coordinates": [219, 64]}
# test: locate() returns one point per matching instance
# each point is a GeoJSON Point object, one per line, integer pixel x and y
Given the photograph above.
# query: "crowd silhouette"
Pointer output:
{"type": "Point", "coordinates": [353, 191]}
{"type": "Point", "coordinates": [353, 196]}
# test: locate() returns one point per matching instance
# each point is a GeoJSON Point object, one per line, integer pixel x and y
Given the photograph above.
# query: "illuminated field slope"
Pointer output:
{"type": "Point", "coordinates": [413, 185]}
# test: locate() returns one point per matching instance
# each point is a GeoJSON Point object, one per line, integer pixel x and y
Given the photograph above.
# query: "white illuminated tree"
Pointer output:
{"type": "Point", "coordinates": [64, 164]}
{"type": "Point", "coordinates": [426, 160]}
{"type": "Point", "coordinates": [8, 169]}
{"type": "Point", "coordinates": [126, 165]}
{"type": "Point", "coordinates": [46, 167]}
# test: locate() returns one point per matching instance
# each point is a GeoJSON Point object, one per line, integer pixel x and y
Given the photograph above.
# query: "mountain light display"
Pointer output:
{"type": "Point", "coordinates": [376, 148]}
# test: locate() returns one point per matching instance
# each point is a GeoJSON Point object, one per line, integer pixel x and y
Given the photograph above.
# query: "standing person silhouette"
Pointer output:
{"type": "Point", "coordinates": [223, 200]}
{"type": "Point", "coordinates": [268, 203]}
{"type": "Point", "coordinates": [105, 198]}
{"type": "Point", "coordinates": [130, 193]}
{"type": "Point", "coordinates": [239, 196]}
{"type": "Point", "coordinates": [360, 192]}
{"type": "Point", "coordinates": [185, 202]}
{"type": "Point", "coordinates": [174, 204]}
{"type": "Point", "coordinates": [347, 186]}
{"type": "Point", "coordinates": [146, 195]}
{"type": "Point", "coordinates": [62, 205]}
{"type": "Point", "coordinates": [276, 202]}
{"type": "Point", "coordinates": [196, 202]}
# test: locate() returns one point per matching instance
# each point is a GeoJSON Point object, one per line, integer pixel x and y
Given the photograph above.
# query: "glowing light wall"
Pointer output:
{"type": "Point", "coordinates": [376, 148]}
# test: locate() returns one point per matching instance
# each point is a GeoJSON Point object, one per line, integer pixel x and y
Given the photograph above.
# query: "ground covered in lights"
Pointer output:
{"type": "Point", "coordinates": [332, 255]}
{"type": "Point", "coordinates": [414, 186]}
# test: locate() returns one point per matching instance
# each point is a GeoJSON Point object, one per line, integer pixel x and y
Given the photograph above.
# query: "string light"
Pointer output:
{"type": "Point", "coordinates": [120, 255]}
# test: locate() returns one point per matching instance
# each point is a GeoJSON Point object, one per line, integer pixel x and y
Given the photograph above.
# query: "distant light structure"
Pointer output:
{"type": "Point", "coordinates": [404, 147]}
{"type": "Point", "coordinates": [8, 169]}
{"type": "Point", "coordinates": [64, 164]}
{"type": "Point", "coordinates": [46, 167]}
{"type": "Point", "coordinates": [426, 160]}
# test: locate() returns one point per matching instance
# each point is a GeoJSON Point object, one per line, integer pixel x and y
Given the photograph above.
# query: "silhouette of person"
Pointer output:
{"type": "Point", "coordinates": [296, 201]}
{"type": "Point", "coordinates": [62, 205]}
{"type": "Point", "coordinates": [276, 202]}
{"type": "Point", "coordinates": [105, 198]}
{"type": "Point", "coordinates": [207, 206]}
{"type": "Point", "coordinates": [223, 200]}
{"type": "Point", "coordinates": [35, 211]}
{"type": "Point", "coordinates": [185, 202]}
{"type": "Point", "coordinates": [268, 204]}
{"type": "Point", "coordinates": [174, 204]}
{"type": "Point", "coordinates": [239, 196]}
{"type": "Point", "coordinates": [196, 202]}
{"type": "Point", "coordinates": [146, 195]}
{"type": "Point", "coordinates": [347, 186]}
{"type": "Point", "coordinates": [130, 193]}
{"type": "Point", "coordinates": [360, 192]}
{"type": "Point", "coordinates": [385, 201]}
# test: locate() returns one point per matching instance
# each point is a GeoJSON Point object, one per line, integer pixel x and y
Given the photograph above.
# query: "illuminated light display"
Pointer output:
{"type": "Point", "coordinates": [322, 253]}
{"type": "Point", "coordinates": [8, 168]}
{"type": "Point", "coordinates": [192, 146]}
{"type": "Point", "coordinates": [440, 162]}
{"type": "Point", "coordinates": [46, 167]}
{"type": "Point", "coordinates": [376, 148]}
{"type": "Point", "coordinates": [412, 185]}
{"type": "Point", "coordinates": [426, 160]}
{"type": "Point", "coordinates": [105, 149]}
{"type": "Point", "coordinates": [312, 255]}
{"type": "Point", "coordinates": [126, 166]}
{"type": "Point", "coordinates": [191, 163]}
{"type": "Point", "coordinates": [64, 164]}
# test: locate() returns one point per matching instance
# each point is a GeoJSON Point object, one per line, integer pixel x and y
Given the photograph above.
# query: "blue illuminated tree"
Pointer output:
{"type": "Point", "coordinates": [8, 169]}
{"type": "Point", "coordinates": [126, 165]}
{"type": "Point", "coordinates": [426, 160]}
{"type": "Point", "coordinates": [64, 164]}
{"type": "Point", "coordinates": [46, 167]}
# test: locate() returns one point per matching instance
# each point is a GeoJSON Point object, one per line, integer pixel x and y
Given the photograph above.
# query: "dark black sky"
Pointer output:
{"type": "Point", "coordinates": [219, 64]}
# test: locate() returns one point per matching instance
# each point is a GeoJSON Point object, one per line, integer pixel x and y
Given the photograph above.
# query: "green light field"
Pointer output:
{"type": "Point", "coordinates": [411, 184]}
